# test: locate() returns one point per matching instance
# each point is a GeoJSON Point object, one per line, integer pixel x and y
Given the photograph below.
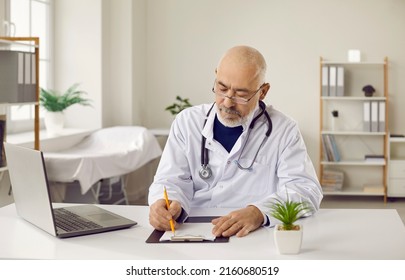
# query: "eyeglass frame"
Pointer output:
{"type": "Point", "coordinates": [235, 99]}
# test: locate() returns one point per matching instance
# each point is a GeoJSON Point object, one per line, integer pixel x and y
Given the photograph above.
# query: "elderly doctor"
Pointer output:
{"type": "Point", "coordinates": [235, 153]}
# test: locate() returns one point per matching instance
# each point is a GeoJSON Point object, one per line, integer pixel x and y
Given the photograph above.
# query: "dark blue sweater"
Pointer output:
{"type": "Point", "coordinates": [227, 136]}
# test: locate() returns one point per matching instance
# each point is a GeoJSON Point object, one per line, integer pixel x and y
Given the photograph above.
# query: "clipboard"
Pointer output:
{"type": "Point", "coordinates": [155, 236]}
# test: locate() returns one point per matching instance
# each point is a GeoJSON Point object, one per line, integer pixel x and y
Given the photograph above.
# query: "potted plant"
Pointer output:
{"type": "Point", "coordinates": [55, 103]}
{"type": "Point", "coordinates": [368, 90]}
{"type": "Point", "coordinates": [179, 105]}
{"type": "Point", "coordinates": [288, 234]}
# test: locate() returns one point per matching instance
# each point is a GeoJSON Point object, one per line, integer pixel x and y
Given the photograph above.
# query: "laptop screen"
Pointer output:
{"type": "Point", "coordinates": [30, 186]}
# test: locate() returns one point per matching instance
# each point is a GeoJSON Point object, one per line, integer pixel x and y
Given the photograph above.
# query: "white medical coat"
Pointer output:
{"type": "Point", "coordinates": [282, 164]}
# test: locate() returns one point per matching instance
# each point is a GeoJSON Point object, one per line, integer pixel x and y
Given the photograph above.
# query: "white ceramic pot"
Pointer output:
{"type": "Point", "coordinates": [288, 241]}
{"type": "Point", "coordinates": [54, 123]}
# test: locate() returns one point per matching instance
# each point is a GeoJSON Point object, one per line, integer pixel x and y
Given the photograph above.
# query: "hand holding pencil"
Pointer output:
{"type": "Point", "coordinates": [168, 206]}
{"type": "Point", "coordinates": [158, 213]}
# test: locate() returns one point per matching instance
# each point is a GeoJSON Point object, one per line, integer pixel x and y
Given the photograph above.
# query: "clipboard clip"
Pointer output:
{"type": "Point", "coordinates": [187, 238]}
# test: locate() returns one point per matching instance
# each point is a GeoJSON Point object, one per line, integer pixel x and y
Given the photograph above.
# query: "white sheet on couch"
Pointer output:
{"type": "Point", "coordinates": [105, 153]}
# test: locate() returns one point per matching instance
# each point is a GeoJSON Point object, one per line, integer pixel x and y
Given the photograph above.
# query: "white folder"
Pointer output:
{"type": "Point", "coordinates": [30, 94]}
{"type": "Point", "coordinates": [374, 116]}
{"type": "Point", "coordinates": [325, 80]}
{"type": "Point", "coordinates": [20, 75]}
{"type": "Point", "coordinates": [381, 116]}
{"type": "Point", "coordinates": [340, 90]}
{"type": "Point", "coordinates": [27, 76]}
{"type": "Point", "coordinates": [20, 78]}
{"type": "Point", "coordinates": [367, 116]}
{"type": "Point", "coordinates": [332, 80]}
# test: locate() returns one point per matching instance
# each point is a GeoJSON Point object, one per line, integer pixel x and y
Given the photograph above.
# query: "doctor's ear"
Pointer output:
{"type": "Point", "coordinates": [265, 89]}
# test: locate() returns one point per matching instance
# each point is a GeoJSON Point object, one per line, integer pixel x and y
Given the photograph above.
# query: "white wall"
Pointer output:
{"type": "Point", "coordinates": [78, 57]}
{"type": "Point", "coordinates": [186, 39]}
{"type": "Point", "coordinates": [94, 45]}
{"type": "Point", "coordinates": [176, 45]}
{"type": "Point", "coordinates": [139, 57]}
{"type": "Point", "coordinates": [117, 63]}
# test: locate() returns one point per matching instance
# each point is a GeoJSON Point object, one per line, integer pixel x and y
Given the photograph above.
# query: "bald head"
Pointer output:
{"type": "Point", "coordinates": [245, 58]}
{"type": "Point", "coordinates": [240, 74]}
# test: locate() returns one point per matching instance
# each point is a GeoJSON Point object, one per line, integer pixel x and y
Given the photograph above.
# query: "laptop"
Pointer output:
{"type": "Point", "coordinates": [33, 201]}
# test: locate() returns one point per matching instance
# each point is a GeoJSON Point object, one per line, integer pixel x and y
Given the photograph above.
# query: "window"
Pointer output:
{"type": "Point", "coordinates": [31, 18]}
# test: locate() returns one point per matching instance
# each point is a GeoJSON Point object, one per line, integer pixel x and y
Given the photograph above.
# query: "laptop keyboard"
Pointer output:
{"type": "Point", "coordinates": [69, 221]}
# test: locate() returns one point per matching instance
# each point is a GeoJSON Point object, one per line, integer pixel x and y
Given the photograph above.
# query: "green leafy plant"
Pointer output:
{"type": "Point", "coordinates": [288, 212]}
{"type": "Point", "coordinates": [53, 101]}
{"type": "Point", "coordinates": [179, 105]}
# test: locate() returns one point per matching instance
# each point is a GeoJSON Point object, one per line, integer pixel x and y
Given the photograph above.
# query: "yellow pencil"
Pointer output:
{"type": "Point", "coordinates": [168, 205]}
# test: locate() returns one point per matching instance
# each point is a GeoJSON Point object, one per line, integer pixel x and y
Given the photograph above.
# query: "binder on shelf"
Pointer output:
{"type": "Point", "coordinates": [374, 116]}
{"type": "Point", "coordinates": [20, 78]}
{"type": "Point", "coordinates": [16, 83]}
{"type": "Point", "coordinates": [27, 75]}
{"type": "Point", "coordinates": [325, 81]}
{"type": "Point", "coordinates": [367, 116]}
{"type": "Point", "coordinates": [331, 152]}
{"type": "Point", "coordinates": [327, 152]}
{"type": "Point", "coordinates": [29, 79]}
{"type": "Point", "coordinates": [325, 155]}
{"type": "Point", "coordinates": [340, 90]}
{"type": "Point", "coordinates": [335, 151]}
{"type": "Point", "coordinates": [11, 74]}
{"type": "Point", "coordinates": [381, 116]}
{"type": "Point", "coordinates": [332, 80]}
{"type": "Point", "coordinates": [33, 86]}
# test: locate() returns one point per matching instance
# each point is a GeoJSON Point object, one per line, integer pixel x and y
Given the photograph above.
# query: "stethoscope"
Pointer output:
{"type": "Point", "coordinates": [206, 172]}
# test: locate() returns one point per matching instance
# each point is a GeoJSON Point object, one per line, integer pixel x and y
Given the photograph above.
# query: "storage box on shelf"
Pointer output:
{"type": "Point", "coordinates": [396, 167]}
{"type": "Point", "coordinates": [353, 127]}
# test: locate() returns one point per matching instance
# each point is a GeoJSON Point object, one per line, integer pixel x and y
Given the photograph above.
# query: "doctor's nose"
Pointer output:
{"type": "Point", "coordinates": [228, 102]}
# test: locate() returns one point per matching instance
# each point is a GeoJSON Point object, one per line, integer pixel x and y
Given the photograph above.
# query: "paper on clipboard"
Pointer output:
{"type": "Point", "coordinates": [190, 232]}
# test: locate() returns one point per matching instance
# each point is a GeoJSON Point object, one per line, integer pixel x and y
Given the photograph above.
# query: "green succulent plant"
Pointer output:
{"type": "Point", "coordinates": [179, 105]}
{"type": "Point", "coordinates": [53, 101]}
{"type": "Point", "coordinates": [288, 212]}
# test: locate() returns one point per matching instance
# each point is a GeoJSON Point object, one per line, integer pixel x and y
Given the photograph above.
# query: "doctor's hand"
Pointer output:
{"type": "Point", "coordinates": [239, 222]}
{"type": "Point", "coordinates": [159, 216]}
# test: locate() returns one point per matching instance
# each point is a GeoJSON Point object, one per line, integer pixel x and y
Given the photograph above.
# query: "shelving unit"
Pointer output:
{"type": "Point", "coordinates": [361, 177]}
{"type": "Point", "coordinates": [31, 43]}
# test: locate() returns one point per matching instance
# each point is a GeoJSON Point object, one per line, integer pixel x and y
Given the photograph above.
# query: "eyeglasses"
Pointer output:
{"type": "Point", "coordinates": [236, 99]}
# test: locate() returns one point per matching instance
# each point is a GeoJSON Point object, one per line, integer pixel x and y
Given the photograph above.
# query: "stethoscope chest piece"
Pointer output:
{"type": "Point", "coordinates": [205, 172]}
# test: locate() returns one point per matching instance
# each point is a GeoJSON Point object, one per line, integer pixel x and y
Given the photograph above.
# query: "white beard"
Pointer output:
{"type": "Point", "coordinates": [241, 121]}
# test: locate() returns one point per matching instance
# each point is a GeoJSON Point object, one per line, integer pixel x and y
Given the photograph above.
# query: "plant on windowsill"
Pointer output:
{"type": "Point", "coordinates": [288, 234]}
{"type": "Point", "coordinates": [179, 105]}
{"type": "Point", "coordinates": [55, 103]}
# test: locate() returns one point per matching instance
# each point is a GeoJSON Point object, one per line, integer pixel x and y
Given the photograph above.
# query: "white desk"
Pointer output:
{"type": "Point", "coordinates": [330, 234]}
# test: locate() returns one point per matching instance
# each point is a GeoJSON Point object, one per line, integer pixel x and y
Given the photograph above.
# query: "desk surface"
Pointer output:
{"type": "Point", "coordinates": [329, 234]}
